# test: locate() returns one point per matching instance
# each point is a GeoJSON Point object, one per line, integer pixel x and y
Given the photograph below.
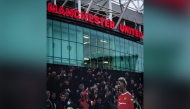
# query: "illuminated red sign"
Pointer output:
{"type": "Point", "coordinates": [73, 13]}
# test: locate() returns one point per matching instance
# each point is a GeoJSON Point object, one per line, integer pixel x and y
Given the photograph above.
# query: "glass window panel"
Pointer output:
{"type": "Point", "coordinates": [126, 59]}
{"type": "Point", "coordinates": [65, 35]}
{"type": "Point", "coordinates": [64, 25]}
{"type": "Point", "coordinates": [86, 36]}
{"type": "Point", "coordinates": [65, 49]}
{"type": "Point", "coordinates": [49, 47]}
{"type": "Point", "coordinates": [112, 42]}
{"type": "Point", "coordinates": [133, 62]}
{"type": "Point", "coordinates": [106, 53]}
{"type": "Point", "coordinates": [106, 58]}
{"type": "Point", "coordinates": [100, 57]}
{"type": "Point", "coordinates": [94, 57]}
{"type": "Point", "coordinates": [73, 51]}
{"type": "Point", "coordinates": [100, 52]}
{"type": "Point", "coordinates": [100, 39]}
{"type": "Point", "coordinates": [117, 57]}
{"type": "Point", "coordinates": [122, 61]}
{"type": "Point", "coordinates": [56, 33]}
{"type": "Point", "coordinates": [65, 61]}
{"type": "Point", "coordinates": [64, 30]}
{"type": "Point", "coordinates": [79, 53]}
{"type": "Point", "coordinates": [50, 60]}
{"type": "Point", "coordinates": [112, 58]}
{"type": "Point", "coordinates": [56, 23]}
{"type": "Point", "coordinates": [87, 63]}
{"type": "Point", "coordinates": [80, 63]}
{"type": "Point", "coordinates": [87, 53]}
{"type": "Point", "coordinates": [55, 28]}
{"type": "Point", "coordinates": [79, 34]}
{"type": "Point", "coordinates": [122, 45]}
{"type": "Point", "coordinates": [130, 62]}
{"type": "Point", "coordinates": [57, 61]}
{"type": "Point", "coordinates": [72, 33]}
{"type": "Point", "coordinates": [117, 44]}
{"type": "Point", "coordinates": [138, 63]}
{"type": "Point", "coordinates": [135, 49]}
{"type": "Point", "coordinates": [130, 47]}
{"type": "Point", "coordinates": [93, 38]}
{"type": "Point", "coordinates": [106, 41]}
{"type": "Point", "coordinates": [73, 63]}
{"type": "Point", "coordinates": [126, 47]}
{"type": "Point", "coordinates": [57, 48]}
{"type": "Point", "coordinates": [49, 30]}
{"type": "Point", "coordinates": [94, 52]}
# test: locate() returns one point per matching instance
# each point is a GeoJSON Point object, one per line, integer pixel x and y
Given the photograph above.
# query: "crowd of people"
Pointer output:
{"type": "Point", "coordinates": [71, 87]}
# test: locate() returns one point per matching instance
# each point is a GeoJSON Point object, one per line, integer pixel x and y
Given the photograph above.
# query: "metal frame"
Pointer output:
{"type": "Point", "coordinates": [106, 7]}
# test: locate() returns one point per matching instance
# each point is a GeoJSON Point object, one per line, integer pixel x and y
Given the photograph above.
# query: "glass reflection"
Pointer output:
{"type": "Point", "coordinates": [70, 44]}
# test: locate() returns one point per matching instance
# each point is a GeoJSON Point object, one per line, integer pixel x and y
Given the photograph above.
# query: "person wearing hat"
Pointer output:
{"type": "Point", "coordinates": [125, 100]}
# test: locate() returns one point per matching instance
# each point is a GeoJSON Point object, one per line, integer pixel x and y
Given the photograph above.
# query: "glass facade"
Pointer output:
{"type": "Point", "coordinates": [70, 44]}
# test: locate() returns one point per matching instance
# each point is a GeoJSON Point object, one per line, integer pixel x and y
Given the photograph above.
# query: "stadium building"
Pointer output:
{"type": "Point", "coordinates": [105, 34]}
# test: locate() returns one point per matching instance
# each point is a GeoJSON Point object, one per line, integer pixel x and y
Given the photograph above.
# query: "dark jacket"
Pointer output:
{"type": "Point", "coordinates": [61, 104]}
{"type": "Point", "coordinates": [49, 105]}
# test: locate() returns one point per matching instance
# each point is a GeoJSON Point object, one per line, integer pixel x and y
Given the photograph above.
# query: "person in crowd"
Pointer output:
{"type": "Point", "coordinates": [125, 100]}
{"type": "Point", "coordinates": [53, 100]}
{"type": "Point", "coordinates": [62, 104]}
{"type": "Point", "coordinates": [53, 82]}
{"type": "Point", "coordinates": [49, 104]}
{"type": "Point", "coordinates": [71, 104]}
{"type": "Point", "coordinates": [98, 88]}
{"type": "Point", "coordinates": [83, 100]}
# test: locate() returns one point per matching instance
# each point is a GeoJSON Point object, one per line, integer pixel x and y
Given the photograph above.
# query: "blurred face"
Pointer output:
{"type": "Point", "coordinates": [139, 78]}
{"type": "Point", "coordinates": [90, 72]}
{"type": "Point", "coordinates": [120, 85]}
{"type": "Point", "coordinates": [140, 92]}
{"type": "Point", "coordinates": [99, 100]}
{"type": "Point", "coordinates": [53, 74]}
{"type": "Point", "coordinates": [48, 93]}
{"type": "Point", "coordinates": [63, 97]}
{"type": "Point", "coordinates": [106, 73]}
{"type": "Point", "coordinates": [62, 72]}
{"type": "Point", "coordinates": [53, 95]}
{"type": "Point", "coordinates": [66, 82]}
{"type": "Point", "coordinates": [132, 81]}
{"type": "Point", "coordinates": [70, 75]}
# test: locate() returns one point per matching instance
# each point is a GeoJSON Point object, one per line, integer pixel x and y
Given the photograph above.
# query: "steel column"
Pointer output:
{"type": "Point", "coordinates": [64, 3]}
{"type": "Point", "coordinates": [122, 14]}
{"type": "Point", "coordinates": [90, 5]}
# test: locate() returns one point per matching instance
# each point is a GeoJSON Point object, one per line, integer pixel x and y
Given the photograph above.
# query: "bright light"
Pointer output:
{"type": "Point", "coordinates": [86, 58]}
{"type": "Point", "coordinates": [103, 41]}
{"type": "Point", "coordinates": [86, 42]}
{"type": "Point", "coordinates": [85, 36]}
{"type": "Point", "coordinates": [106, 62]}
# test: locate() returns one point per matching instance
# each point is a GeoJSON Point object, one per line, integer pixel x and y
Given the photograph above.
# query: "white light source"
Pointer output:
{"type": "Point", "coordinates": [85, 42]}
{"type": "Point", "coordinates": [86, 58]}
{"type": "Point", "coordinates": [103, 41]}
{"type": "Point", "coordinates": [106, 62]}
{"type": "Point", "coordinates": [85, 36]}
